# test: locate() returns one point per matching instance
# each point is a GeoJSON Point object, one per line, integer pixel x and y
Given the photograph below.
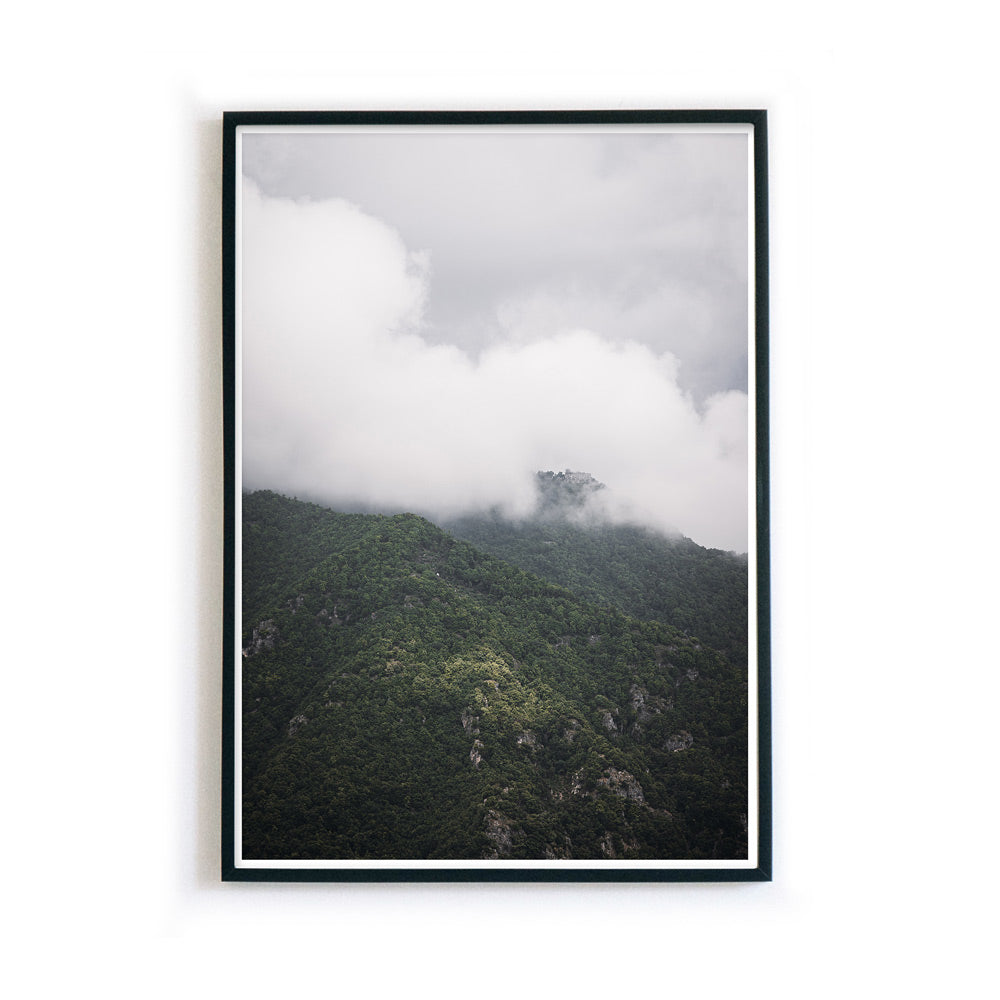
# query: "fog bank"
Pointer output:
{"type": "Point", "coordinates": [344, 401]}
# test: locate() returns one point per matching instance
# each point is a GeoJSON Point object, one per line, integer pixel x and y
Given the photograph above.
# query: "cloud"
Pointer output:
{"type": "Point", "coordinates": [647, 231]}
{"type": "Point", "coordinates": [345, 401]}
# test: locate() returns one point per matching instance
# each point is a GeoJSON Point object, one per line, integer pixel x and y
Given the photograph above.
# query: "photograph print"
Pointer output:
{"type": "Point", "coordinates": [496, 497]}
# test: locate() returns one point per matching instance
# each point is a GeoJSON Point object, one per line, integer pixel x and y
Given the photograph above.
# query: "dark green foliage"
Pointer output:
{"type": "Point", "coordinates": [703, 592]}
{"type": "Point", "coordinates": [406, 695]}
{"type": "Point", "coordinates": [282, 539]}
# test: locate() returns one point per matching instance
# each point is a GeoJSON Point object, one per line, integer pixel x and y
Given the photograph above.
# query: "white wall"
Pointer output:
{"type": "Point", "coordinates": [884, 359]}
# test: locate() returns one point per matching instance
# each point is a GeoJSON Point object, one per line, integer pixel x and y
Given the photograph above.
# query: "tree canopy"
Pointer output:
{"type": "Point", "coordinates": [407, 695]}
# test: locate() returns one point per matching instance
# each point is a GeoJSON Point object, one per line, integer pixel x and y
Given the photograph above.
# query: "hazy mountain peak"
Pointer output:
{"type": "Point", "coordinates": [566, 492]}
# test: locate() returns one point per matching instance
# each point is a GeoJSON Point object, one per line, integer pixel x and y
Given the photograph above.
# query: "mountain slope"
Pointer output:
{"type": "Point", "coordinates": [408, 696]}
{"type": "Point", "coordinates": [703, 592]}
{"type": "Point", "coordinates": [283, 539]}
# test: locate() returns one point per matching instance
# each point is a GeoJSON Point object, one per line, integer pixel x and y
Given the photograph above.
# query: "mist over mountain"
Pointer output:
{"type": "Point", "coordinates": [351, 398]}
{"type": "Point", "coordinates": [408, 695]}
{"type": "Point", "coordinates": [569, 494]}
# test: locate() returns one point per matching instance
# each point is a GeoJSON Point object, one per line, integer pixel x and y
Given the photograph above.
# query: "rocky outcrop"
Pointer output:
{"type": "Point", "coordinates": [263, 636]}
{"type": "Point", "coordinates": [623, 784]}
{"type": "Point", "coordinates": [528, 739]}
{"type": "Point", "coordinates": [498, 831]}
{"type": "Point", "coordinates": [608, 720]}
{"type": "Point", "coordinates": [608, 847]}
{"type": "Point", "coordinates": [645, 705]}
{"type": "Point", "coordinates": [679, 741]}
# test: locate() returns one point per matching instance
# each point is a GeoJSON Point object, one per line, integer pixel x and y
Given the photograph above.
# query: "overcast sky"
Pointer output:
{"type": "Point", "coordinates": [430, 318]}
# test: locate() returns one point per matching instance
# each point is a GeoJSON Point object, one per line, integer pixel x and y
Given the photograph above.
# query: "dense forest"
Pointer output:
{"type": "Point", "coordinates": [703, 592]}
{"type": "Point", "coordinates": [409, 695]}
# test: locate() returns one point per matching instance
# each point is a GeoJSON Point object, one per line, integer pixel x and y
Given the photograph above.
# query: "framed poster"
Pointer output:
{"type": "Point", "coordinates": [496, 496]}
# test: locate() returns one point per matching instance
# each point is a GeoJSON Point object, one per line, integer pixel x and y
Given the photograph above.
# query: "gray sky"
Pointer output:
{"type": "Point", "coordinates": [430, 318]}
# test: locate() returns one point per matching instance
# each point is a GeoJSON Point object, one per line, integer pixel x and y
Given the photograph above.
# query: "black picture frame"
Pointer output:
{"type": "Point", "coordinates": [758, 865]}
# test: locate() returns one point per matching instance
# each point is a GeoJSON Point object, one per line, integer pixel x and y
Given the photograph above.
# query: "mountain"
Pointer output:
{"type": "Point", "coordinates": [408, 695]}
{"type": "Point", "coordinates": [569, 541]}
{"type": "Point", "coordinates": [564, 494]}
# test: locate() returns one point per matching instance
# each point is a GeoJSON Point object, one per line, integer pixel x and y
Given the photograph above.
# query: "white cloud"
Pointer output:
{"type": "Point", "coordinates": [345, 401]}
{"type": "Point", "coordinates": [645, 234]}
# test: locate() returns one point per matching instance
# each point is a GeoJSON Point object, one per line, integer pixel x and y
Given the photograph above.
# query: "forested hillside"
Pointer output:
{"type": "Point", "coordinates": [703, 592]}
{"type": "Point", "coordinates": [406, 695]}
